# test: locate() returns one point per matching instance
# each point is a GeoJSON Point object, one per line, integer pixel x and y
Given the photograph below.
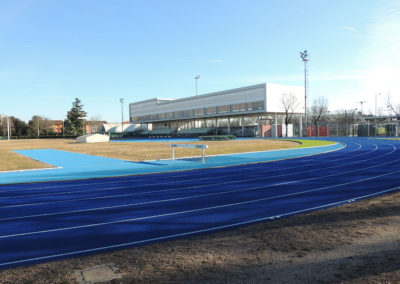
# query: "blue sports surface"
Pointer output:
{"type": "Point", "coordinates": [80, 166]}
{"type": "Point", "coordinates": [54, 220]}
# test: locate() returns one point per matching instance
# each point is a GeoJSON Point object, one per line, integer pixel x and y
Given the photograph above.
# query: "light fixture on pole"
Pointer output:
{"type": "Point", "coordinates": [376, 104]}
{"type": "Point", "coordinates": [196, 78]}
{"type": "Point", "coordinates": [304, 57]}
{"type": "Point", "coordinates": [376, 108]}
{"type": "Point", "coordinates": [8, 128]}
{"type": "Point", "coordinates": [122, 116]}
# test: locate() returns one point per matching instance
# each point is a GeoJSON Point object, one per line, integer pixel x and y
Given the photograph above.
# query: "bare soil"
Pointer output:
{"type": "Point", "coordinates": [354, 243]}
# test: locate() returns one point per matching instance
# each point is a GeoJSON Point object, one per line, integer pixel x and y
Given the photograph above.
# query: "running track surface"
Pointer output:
{"type": "Point", "coordinates": [79, 166]}
{"type": "Point", "coordinates": [47, 221]}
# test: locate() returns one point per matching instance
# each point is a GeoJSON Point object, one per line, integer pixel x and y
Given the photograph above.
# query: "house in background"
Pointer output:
{"type": "Point", "coordinates": [56, 125]}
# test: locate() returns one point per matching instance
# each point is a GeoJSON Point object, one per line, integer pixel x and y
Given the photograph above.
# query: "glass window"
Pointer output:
{"type": "Point", "coordinates": [178, 114]}
{"type": "Point", "coordinates": [188, 113]}
{"type": "Point", "coordinates": [169, 115]}
{"type": "Point", "coordinates": [211, 110]}
{"type": "Point", "coordinates": [199, 112]}
{"type": "Point", "coordinates": [224, 109]}
{"type": "Point", "coordinates": [238, 107]}
{"type": "Point", "coordinates": [256, 105]}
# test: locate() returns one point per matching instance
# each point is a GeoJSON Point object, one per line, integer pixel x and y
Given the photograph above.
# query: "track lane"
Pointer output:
{"type": "Point", "coordinates": [162, 216]}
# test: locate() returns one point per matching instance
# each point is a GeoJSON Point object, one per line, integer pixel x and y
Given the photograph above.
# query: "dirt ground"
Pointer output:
{"type": "Point", "coordinates": [354, 243]}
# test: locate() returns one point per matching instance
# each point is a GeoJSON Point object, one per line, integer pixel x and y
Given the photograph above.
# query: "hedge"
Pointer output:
{"type": "Point", "coordinates": [217, 137]}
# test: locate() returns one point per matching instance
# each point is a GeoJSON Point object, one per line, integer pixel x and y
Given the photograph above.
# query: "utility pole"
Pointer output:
{"type": "Point", "coordinates": [122, 116]}
{"type": "Point", "coordinates": [38, 127]}
{"type": "Point", "coordinates": [196, 78]}
{"type": "Point", "coordinates": [8, 128]}
{"type": "Point", "coordinates": [304, 58]}
{"type": "Point", "coordinates": [361, 106]}
{"type": "Point", "coordinates": [376, 108]}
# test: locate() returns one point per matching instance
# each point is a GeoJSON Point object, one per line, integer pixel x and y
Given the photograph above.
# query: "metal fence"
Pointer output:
{"type": "Point", "coordinates": [356, 130]}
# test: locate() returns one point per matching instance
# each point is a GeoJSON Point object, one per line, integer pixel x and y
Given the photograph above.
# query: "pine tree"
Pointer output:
{"type": "Point", "coordinates": [75, 122]}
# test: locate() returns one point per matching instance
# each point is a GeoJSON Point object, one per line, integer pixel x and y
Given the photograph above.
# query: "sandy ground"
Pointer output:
{"type": "Point", "coordinates": [354, 243]}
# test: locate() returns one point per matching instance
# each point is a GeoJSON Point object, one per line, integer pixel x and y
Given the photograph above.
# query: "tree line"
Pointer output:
{"type": "Point", "coordinates": [73, 125]}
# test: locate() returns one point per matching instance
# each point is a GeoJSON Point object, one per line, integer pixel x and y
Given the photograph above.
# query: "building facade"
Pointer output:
{"type": "Point", "coordinates": [241, 111]}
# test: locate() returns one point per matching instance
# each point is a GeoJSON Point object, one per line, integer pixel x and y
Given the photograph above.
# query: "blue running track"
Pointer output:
{"type": "Point", "coordinates": [47, 221]}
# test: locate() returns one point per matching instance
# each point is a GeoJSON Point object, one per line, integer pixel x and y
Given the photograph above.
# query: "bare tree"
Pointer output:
{"type": "Point", "coordinates": [392, 108]}
{"type": "Point", "coordinates": [319, 109]}
{"type": "Point", "coordinates": [289, 103]}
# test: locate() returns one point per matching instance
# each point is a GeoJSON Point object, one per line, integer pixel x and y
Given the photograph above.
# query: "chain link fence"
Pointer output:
{"type": "Point", "coordinates": [355, 130]}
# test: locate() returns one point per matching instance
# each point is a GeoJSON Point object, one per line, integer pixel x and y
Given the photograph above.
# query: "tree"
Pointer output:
{"type": "Point", "coordinates": [392, 108]}
{"type": "Point", "coordinates": [75, 122]}
{"type": "Point", "coordinates": [38, 126]}
{"type": "Point", "coordinates": [319, 109]}
{"type": "Point", "coordinates": [20, 127]}
{"type": "Point", "coordinates": [289, 103]}
{"type": "Point", "coordinates": [3, 125]}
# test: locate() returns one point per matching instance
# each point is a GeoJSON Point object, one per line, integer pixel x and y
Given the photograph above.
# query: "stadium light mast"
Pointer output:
{"type": "Point", "coordinates": [304, 58]}
{"type": "Point", "coordinates": [8, 128]}
{"type": "Point", "coordinates": [196, 78]}
{"type": "Point", "coordinates": [122, 116]}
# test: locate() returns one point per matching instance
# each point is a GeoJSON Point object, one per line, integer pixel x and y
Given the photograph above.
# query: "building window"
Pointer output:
{"type": "Point", "coordinates": [169, 115]}
{"type": "Point", "coordinates": [188, 113]}
{"type": "Point", "coordinates": [199, 112]}
{"type": "Point", "coordinates": [211, 110]}
{"type": "Point", "coordinates": [238, 107]}
{"type": "Point", "coordinates": [178, 114]}
{"type": "Point", "coordinates": [255, 105]}
{"type": "Point", "coordinates": [223, 109]}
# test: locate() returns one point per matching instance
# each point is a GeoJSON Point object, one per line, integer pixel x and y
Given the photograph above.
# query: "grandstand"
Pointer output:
{"type": "Point", "coordinates": [249, 111]}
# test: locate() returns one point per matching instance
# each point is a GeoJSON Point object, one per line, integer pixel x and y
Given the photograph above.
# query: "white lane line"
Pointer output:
{"type": "Point", "coordinates": [169, 176]}
{"type": "Point", "coordinates": [190, 211]}
{"type": "Point", "coordinates": [189, 173]}
{"type": "Point", "coordinates": [177, 182]}
{"type": "Point", "coordinates": [204, 195]}
{"type": "Point", "coordinates": [237, 224]}
{"type": "Point", "coordinates": [199, 186]}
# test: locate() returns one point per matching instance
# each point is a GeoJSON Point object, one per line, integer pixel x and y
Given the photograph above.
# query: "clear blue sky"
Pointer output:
{"type": "Point", "coordinates": [52, 51]}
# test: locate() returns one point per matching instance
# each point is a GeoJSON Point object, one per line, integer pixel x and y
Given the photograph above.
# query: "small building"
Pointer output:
{"type": "Point", "coordinates": [241, 112]}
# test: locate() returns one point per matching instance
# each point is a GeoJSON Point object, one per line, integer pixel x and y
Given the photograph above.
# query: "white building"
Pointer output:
{"type": "Point", "coordinates": [241, 111]}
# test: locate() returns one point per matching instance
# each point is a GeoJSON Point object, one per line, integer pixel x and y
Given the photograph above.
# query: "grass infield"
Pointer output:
{"type": "Point", "coordinates": [138, 151]}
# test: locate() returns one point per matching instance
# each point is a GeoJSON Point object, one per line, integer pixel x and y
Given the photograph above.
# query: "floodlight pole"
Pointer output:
{"type": "Point", "coordinates": [38, 126]}
{"type": "Point", "coordinates": [376, 108]}
{"type": "Point", "coordinates": [304, 57]}
{"type": "Point", "coordinates": [122, 116]}
{"type": "Point", "coordinates": [8, 128]}
{"type": "Point", "coordinates": [196, 78]}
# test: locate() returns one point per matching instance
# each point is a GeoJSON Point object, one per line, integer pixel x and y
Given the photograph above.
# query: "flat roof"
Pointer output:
{"type": "Point", "coordinates": [167, 101]}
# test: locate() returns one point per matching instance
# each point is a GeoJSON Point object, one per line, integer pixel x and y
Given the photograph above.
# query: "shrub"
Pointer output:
{"type": "Point", "coordinates": [217, 137]}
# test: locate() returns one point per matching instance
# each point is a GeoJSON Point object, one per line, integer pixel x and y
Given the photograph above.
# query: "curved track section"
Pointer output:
{"type": "Point", "coordinates": [47, 221]}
